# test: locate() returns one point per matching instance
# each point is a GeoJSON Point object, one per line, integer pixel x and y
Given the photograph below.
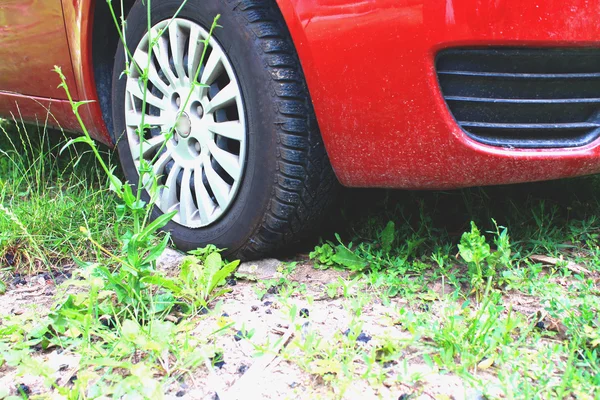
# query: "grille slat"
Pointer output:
{"type": "Point", "coordinates": [516, 97]}
{"type": "Point", "coordinates": [582, 125]}
{"type": "Point", "coordinates": [522, 101]}
{"type": "Point", "coordinates": [504, 75]}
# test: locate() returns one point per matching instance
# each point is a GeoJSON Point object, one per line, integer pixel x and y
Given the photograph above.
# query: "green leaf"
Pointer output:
{"type": "Point", "coordinates": [343, 256]}
{"type": "Point", "coordinates": [223, 273]}
{"type": "Point", "coordinates": [2, 287]}
{"type": "Point", "coordinates": [387, 236]}
{"type": "Point", "coordinates": [323, 254]}
{"type": "Point", "coordinates": [80, 139]}
{"type": "Point", "coordinates": [162, 331]}
{"type": "Point", "coordinates": [213, 262]}
{"type": "Point", "coordinates": [128, 196]}
{"type": "Point", "coordinates": [174, 285]}
{"type": "Point", "coordinates": [156, 225]}
{"type": "Point", "coordinates": [185, 270]}
{"type": "Point", "coordinates": [162, 302]}
{"type": "Point", "coordinates": [428, 361]}
{"type": "Point", "coordinates": [130, 330]}
{"type": "Point", "coordinates": [157, 250]}
{"type": "Point", "coordinates": [473, 247]}
{"type": "Point", "coordinates": [77, 104]}
{"type": "Point", "coordinates": [212, 265]}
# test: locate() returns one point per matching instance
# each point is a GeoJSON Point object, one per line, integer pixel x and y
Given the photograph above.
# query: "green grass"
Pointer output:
{"type": "Point", "coordinates": [406, 243]}
{"type": "Point", "coordinates": [46, 196]}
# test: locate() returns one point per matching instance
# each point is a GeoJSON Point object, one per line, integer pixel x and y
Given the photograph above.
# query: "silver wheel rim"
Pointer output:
{"type": "Point", "coordinates": [199, 169]}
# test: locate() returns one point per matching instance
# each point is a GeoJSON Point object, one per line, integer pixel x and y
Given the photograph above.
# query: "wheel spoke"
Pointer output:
{"type": "Point", "coordinates": [161, 163]}
{"type": "Point", "coordinates": [162, 55]}
{"type": "Point", "coordinates": [230, 129]}
{"type": "Point", "coordinates": [219, 187]}
{"type": "Point", "coordinates": [148, 147]}
{"type": "Point", "coordinates": [194, 51]}
{"type": "Point", "coordinates": [135, 87]}
{"type": "Point", "coordinates": [225, 97]}
{"type": "Point", "coordinates": [229, 162]}
{"type": "Point", "coordinates": [177, 42]}
{"type": "Point", "coordinates": [168, 196]}
{"type": "Point", "coordinates": [202, 197]}
{"type": "Point", "coordinates": [141, 59]}
{"type": "Point", "coordinates": [187, 209]}
{"type": "Point", "coordinates": [213, 67]}
{"type": "Point", "coordinates": [133, 118]}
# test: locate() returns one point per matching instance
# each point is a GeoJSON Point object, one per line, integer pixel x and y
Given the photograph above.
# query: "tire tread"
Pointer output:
{"type": "Point", "coordinates": [305, 184]}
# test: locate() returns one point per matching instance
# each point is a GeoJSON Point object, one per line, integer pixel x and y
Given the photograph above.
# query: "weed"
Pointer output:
{"type": "Point", "coordinates": [481, 261]}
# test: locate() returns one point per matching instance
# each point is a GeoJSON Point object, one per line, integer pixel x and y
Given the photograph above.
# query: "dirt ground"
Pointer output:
{"type": "Point", "coordinates": [244, 376]}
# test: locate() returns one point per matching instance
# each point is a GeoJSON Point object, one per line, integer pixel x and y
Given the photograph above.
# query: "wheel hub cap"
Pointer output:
{"type": "Point", "coordinates": [183, 126]}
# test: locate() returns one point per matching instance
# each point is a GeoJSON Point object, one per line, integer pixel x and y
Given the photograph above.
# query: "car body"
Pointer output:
{"type": "Point", "coordinates": [371, 70]}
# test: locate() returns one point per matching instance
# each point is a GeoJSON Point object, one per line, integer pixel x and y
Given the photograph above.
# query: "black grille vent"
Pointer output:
{"type": "Point", "coordinates": [523, 97]}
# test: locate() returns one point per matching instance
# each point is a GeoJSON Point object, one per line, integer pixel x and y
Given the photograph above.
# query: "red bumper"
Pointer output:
{"type": "Point", "coordinates": [370, 71]}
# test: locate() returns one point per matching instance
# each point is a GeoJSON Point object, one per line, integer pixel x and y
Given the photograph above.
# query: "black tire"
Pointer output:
{"type": "Point", "coordinates": [288, 182]}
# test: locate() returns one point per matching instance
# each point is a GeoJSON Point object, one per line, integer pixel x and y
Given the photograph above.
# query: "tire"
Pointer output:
{"type": "Point", "coordinates": [286, 183]}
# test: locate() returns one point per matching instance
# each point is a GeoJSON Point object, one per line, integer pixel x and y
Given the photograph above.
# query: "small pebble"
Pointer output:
{"type": "Point", "coordinates": [268, 311]}
{"type": "Point", "coordinates": [239, 336]}
{"type": "Point", "coordinates": [181, 393]}
{"type": "Point", "coordinates": [254, 308]}
{"type": "Point", "coordinates": [267, 303]}
{"type": "Point", "coordinates": [475, 395]}
{"type": "Point", "coordinates": [404, 396]}
{"type": "Point", "coordinates": [362, 337]}
{"type": "Point", "coordinates": [231, 281]}
{"type": "Point", "coordinates": [18, 280]}
{"type": "Point", "coordinates": [540, 325]}
{"type": "Point", "coordinates": [304, 312]}
{"type": "Point", "coordinates": [10, 259]}
{"type": "Point", "coordinates": [107, 321]}
{"type": "Point", "coordinates": [217, 360]}
{"type": "Point", "coordinates": [203, 310]}
{"type": "Point", "coordinates": [242, 369]}
{"type": "Point", "coordinates": [225, 315]}
{"type": "Point", "coordinates": [273, 290]}
{"type": "Point", "coordinates": [294, 385]}
{"type": "Point", "coordinates": [23, 389]}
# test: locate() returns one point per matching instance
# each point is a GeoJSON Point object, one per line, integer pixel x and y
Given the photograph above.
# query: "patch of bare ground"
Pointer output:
{"type": "Point", "coordinates": [266, 364]}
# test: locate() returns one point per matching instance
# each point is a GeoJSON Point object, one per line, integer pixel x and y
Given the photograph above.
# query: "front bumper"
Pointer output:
{"type": "Point", "coordinates": [370, 67]}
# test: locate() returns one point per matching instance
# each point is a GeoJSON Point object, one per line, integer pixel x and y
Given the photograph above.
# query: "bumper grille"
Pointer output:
{"type": "Point", "coordinates": [526, 98]}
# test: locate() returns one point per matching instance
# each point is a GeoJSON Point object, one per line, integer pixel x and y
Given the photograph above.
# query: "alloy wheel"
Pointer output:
{"type": "Point", "coordinates": [200, 166]}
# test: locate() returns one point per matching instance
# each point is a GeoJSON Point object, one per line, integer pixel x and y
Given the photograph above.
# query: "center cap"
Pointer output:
{"type": "Point", "coordinates": [184, 126]}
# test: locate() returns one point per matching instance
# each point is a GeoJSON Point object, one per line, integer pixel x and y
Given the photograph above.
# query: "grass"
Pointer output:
{"type": "Point", "coordinates": [45, 197]}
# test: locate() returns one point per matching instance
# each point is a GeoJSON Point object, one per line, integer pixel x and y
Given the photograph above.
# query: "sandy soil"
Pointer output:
{"type": "Point", "coordinates": [244, 376]}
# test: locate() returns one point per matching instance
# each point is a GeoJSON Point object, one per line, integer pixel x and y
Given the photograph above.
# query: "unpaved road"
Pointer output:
{"type": "Point", "coordinates": [271, 376]}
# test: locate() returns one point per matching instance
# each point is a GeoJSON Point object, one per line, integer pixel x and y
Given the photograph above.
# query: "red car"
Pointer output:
{"type": "Point", "coordinates": [412, 94]}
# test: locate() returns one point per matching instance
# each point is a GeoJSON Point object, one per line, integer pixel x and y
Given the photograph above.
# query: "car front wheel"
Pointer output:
{"type": "Point", "coordinates": [245, 167]}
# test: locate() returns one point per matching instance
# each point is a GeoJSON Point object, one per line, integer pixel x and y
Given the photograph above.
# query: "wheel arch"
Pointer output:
{"type": "Point", "coordinates": [93, 41]}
